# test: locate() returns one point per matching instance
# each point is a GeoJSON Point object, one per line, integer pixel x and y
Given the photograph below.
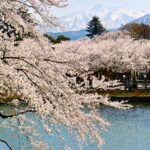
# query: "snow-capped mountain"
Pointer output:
{"type": "Point", "coordinates": [111, 18]}
{"type": "Point", "coordinates": [144, 19]}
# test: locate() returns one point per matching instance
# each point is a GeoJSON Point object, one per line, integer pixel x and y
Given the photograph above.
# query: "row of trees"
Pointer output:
{"type": "Point", "coordinates": [115, 51]}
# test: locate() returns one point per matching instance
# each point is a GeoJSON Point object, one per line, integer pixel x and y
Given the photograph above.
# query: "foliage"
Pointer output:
{"type": "Point", "coordinates": [62, 38]}
{"type": "Point", "coordinates": [138, 31]}
{"type": "Point", "coordinates": [59, 39]}
{"type": "Point", "coordinates": [53, 40]}
{"type": "Point", "coordinates": [95, 27]}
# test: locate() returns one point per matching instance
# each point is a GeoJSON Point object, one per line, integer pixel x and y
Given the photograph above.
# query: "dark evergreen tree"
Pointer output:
{"type": "Point", "coordinates": [59, 39]}
{"type": "Point", "coordinates": [95, 27]}
{"type": "Point", "coordinates": [51, 39]}
{"type": "Point", "coordinates": [62, 38]}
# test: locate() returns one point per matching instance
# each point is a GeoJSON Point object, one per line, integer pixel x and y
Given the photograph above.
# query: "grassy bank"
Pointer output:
{"type": "Point", "coordinates": [122, 93]}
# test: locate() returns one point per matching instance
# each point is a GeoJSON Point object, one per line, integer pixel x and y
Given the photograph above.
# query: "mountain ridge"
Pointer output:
{"type": "Point", "coordinates": [144, 19]}
{"type": "Point", "coordinates": [111, 18]}
{"type": "Point", "coordinates": [73, 35]}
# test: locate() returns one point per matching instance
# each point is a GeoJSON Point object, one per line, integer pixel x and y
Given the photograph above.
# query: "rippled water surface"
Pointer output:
{"type": "Point", "coordinates": [129, 130]}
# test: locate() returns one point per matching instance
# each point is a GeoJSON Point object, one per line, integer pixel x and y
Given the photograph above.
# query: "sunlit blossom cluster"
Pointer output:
{"type": "Point", "coordinates": [113, 50]}
{"type": "Point", "coordinates": [33, 70]}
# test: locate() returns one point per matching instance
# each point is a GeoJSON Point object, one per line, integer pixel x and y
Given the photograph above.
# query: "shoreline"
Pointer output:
{"type": "Point", "coordinates": [131, 99]}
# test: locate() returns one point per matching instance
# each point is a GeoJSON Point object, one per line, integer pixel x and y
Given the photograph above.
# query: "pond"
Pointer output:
{"type": "Point", "coordinates": [129, 130]}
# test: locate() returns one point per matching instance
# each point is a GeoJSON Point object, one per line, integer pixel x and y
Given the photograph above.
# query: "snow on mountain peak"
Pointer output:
{"type": "Point", "coordinates": [111, 18]}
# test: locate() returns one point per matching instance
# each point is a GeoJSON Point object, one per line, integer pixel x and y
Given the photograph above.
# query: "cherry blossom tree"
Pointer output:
{"type": "Point", "coordinates": [33, 71]}
{"type": "Point", "coordinates": [113, 50]}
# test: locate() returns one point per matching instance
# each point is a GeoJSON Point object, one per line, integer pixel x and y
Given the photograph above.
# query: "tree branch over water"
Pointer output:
{"type": "Point", "coordinates": [3, 141]}
{"type": "Point", "coordinates": [16, 114]}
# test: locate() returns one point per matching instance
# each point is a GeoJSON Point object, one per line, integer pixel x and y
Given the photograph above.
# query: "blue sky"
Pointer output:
{"type": "Point", "coordinates": [81, 5]}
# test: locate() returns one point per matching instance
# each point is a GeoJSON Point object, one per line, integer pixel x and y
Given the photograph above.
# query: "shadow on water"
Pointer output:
{"type": "Point", "coordinates": [132, 100]}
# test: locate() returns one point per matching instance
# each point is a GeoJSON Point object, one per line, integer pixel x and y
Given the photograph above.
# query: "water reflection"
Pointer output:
{"type": "Point", "coordinates": [3, 146]}
{"type": "Point", "coordinates": [129, 130]}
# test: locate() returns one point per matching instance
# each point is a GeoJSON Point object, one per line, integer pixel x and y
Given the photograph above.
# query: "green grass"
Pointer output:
{"type": "Point", "coordinates": [122, 93]}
